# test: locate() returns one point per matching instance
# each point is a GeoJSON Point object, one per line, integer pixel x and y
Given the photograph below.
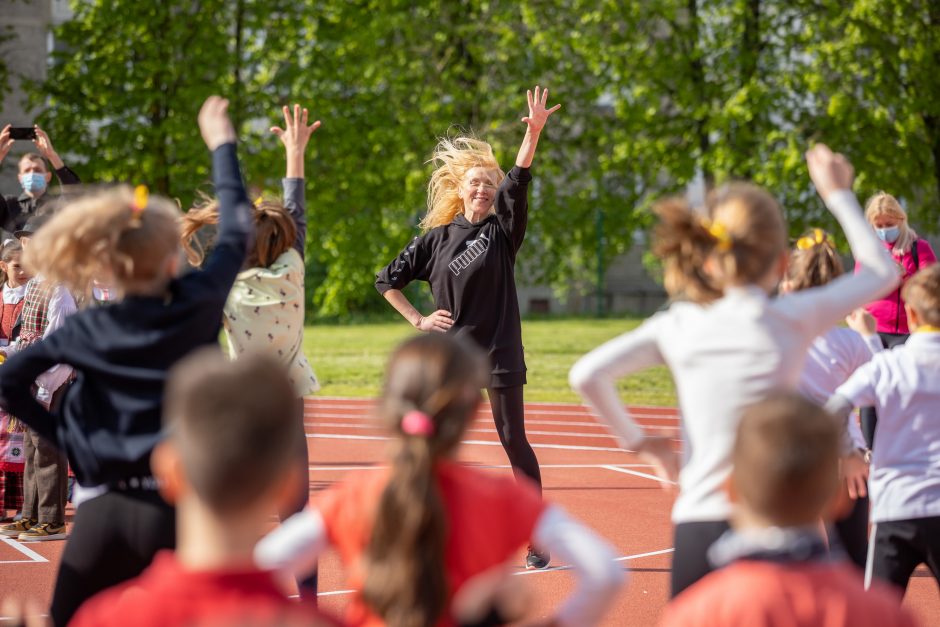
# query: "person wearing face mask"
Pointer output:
{"type": "Point", "coordinates": [473, 230]}
{"type": "Point", "coordinates": [889, 220]}
{"type": "Point", "coordinates": [34, 177]}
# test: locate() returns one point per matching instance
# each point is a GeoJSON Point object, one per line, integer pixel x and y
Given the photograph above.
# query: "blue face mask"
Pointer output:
{"type": "Point", "coordinates": [33, 182]}
{"type": "Point", "coordinates": [889, 235]}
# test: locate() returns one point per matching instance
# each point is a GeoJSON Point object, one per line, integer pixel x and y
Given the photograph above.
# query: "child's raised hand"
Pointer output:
{"type": "Point", "coordinates": [214, 123]}
{"type": "Point", "coordinates": [862, 322]}
{"type": "Point", "coordinates": [830, 171]}
{"type": "Point", "coordinates": [538, 114]}
{"type": "Point", "coordinates": [295, 133]}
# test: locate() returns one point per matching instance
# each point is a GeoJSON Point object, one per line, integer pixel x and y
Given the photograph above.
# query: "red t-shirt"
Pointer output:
{"type": "Point", "coordinates": [168, 595]}
{"type": "Point", "coordinates": [768, 594]}
{"type": "Point", "coordinates": [489, 518]}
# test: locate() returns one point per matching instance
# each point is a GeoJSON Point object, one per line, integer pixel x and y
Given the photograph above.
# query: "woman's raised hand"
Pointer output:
{"type": "Point", "coordinates": [214, 123]}
{"type": "Point", "coordinates": [538, 114]}
{"type": "Point", "coordinates": [296, 133]}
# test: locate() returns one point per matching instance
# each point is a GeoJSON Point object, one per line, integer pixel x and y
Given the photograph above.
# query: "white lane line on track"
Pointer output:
{"type": "Point", "coordinates": [33, 556]}
{"type": "Point", "coordinates": [529, 412]}
{"type": "Point", "coordinates": [635, 473]}
{"type": "Point", "coordinates": [482, 466]}
{"type": "Point", "coordinates": [382, 438]}
{"type": "Point", "coordinates": [550, 569]}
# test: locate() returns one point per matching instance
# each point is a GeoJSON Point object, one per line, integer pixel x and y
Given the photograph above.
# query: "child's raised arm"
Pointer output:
{"type": "Point", "coordinates": [295, 135]}
{"type": "Point", "coordinates": [818, 309]}
{"type": "Point", "coordinates": [293, 548]}
{"type": "Point", "coordinates": [235, 224]}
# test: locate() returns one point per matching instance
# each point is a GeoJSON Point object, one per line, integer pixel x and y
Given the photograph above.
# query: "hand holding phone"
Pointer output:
{"type": "Point", "coordinates": [22, 132]}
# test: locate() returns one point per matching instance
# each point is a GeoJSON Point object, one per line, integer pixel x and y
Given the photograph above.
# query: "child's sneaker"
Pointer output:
{"type": "Point", "coordinates": [43, 532]}
{"type": "Point", "coordinates": [14, 529]}
{"type": "Point", "coordinates": [536, 560]}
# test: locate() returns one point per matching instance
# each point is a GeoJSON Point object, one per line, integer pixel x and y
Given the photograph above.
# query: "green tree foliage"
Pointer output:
{"type": "Point", "coordinates": [654, 94]}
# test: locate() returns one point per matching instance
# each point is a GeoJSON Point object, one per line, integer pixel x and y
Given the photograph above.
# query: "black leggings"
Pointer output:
{"type": "Point", "coordinates": [115, 537]}
{"type": "Point", "coordinates": [690, 558]}
{"type": "Point", "coordinates": [850, 533]}
{"type": "Point", "coordinates": [868, 415]}
{"type": "Point", "coordinates": [306, 587]}
{"type": "Point", "coordinates": [509, 416]}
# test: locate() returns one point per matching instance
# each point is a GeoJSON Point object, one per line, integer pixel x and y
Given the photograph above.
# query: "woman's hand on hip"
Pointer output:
{"type": "Point", "coordinates": [440, 322]}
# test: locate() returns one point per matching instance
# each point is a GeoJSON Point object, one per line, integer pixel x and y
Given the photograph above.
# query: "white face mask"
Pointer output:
{"type": "Point", "coordinates": [33, 182]}
{"type": "Point", "coordinates": [889, 235]}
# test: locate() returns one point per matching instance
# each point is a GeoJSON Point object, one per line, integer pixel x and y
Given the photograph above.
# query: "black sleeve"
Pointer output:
{"type": "Point", "coordinates": [411, 264]}
{"type": "Point", "coordinates": [67, 176]}
{"type": "Point", "coordinates": [18, 376]}
{"type": "Point", "coordinates": [235, 226]}
{"type": "Point", "coordinates": [294, 203]}
{"type": "Point", "coordinates": [6, 202]}
{"type": "Point", "coordinates": [512, 205]}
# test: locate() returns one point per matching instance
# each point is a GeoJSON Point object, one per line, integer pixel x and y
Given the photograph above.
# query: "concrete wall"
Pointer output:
{"type": "Point", "coordinates": [26, 54]}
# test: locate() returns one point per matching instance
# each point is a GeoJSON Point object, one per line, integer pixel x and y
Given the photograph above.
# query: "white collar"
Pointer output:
{"type": "Point", "coordinates": [13, 295]}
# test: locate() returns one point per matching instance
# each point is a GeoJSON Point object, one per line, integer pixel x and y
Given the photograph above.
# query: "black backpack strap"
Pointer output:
{"type": "Point", "coordinates": [916, 255]}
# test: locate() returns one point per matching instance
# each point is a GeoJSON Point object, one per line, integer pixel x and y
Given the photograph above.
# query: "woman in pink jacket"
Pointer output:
{"type": "Point", "coordinates": [911, 253]}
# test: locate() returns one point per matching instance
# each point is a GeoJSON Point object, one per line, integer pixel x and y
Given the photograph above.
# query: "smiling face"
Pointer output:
{"type": "Point", "coordinates": [478, 191]}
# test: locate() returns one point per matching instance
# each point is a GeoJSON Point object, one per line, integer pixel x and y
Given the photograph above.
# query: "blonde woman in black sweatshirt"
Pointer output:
{"type": "Point", "coordinates": [473, 230]}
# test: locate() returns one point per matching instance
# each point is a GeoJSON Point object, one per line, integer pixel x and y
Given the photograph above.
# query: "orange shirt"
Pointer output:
{"type": "Point", "coordinates": [489, 519]}
{"type": "Point", "coordinates": [751, 593]}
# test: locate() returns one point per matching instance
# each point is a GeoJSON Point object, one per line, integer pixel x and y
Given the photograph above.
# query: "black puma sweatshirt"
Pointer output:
{"type": "Point", "coordinates": [471, 271]}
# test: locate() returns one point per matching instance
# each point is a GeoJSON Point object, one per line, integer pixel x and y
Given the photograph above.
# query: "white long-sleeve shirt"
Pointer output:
{"type": "Point", "coordinates": [727, 355]}
{"type": "Point", "coordinates": [903, 384]}
{"type": "Point", "coordinates": [830, 361]}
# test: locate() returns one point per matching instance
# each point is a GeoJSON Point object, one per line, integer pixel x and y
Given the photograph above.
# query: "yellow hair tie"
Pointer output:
{"type": "Point", "coordinates": [141, 198]}
{"type": "Point", "coordinates": [718, 231]}
{"type": "Point", "coordinates": [258, 201]}
{"type": "Point", "coordinates": [806, 242]}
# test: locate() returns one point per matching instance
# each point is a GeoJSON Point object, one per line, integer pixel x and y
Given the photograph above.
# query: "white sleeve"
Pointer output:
{"type": "Point", "coordinates": [591, 558]}
{"type": "Point", "coordinates": [873, 343]}
{"type": "Point", "coordinates": [293, 548]}
{"type": "Point", "coordinates": [818, 309]}
{"type": "Point", "coordinates": [595, 375]}
{"type": "Point", "coordinates": [61, 306]}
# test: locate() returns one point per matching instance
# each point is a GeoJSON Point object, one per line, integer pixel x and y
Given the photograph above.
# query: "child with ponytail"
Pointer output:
{"type": "Point", "coordinates": [415, 535]}
{"type": "Point", "coordinates": [264, 312]}
{"type": "Point", "coordinates": [727, 342]}
{"type": "Point", "coordinates": [109, 421]}
{"type": "Point", "coordinates": [14, 278]}
{"type": "Point", "coordinates": [831, 360]}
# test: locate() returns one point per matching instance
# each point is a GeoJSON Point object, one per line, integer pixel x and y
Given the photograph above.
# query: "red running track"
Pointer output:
{"type": "Point", "coordinates": [583, 470]}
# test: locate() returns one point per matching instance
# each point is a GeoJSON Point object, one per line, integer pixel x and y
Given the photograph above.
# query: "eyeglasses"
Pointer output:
{"type": "Point", "coordinates": [479, 183]}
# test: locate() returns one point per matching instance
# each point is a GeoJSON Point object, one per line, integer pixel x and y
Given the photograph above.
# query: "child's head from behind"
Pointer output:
{"type": "Point", "coordinates": [275, 231]}
{"type": "Point", "coordinates": [921, 294]}
{"type": "Point", "coordinates": [814, 262]}
{"type": "Point", "coordinates": [741, 241]}
{"type": "Point", "coordinates": [785, 461]}
{"type": "Point", "coordinates": [12, 272]}
{"type": "Point", "coordinates": [231, 431]}
{"type": "Point", "coordinates": [431, 393]}
{"type": "Point", "coordinates": [117, 236]}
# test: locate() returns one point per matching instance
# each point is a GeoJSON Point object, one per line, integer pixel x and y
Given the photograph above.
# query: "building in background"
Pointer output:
{"type": "Point", "coordinates": [28, 24]}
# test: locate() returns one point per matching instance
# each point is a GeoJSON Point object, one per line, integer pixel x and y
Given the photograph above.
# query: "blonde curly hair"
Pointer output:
{"type": "Point", "coordinates": [454, 157]}
{"type": "Point", "coordinates": [103, 237]}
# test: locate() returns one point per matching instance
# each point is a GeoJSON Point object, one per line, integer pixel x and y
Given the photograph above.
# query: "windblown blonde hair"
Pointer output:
{"type": "Point", "coordinates": [743, 230]}
{"type": "Point", "coordinates": [98, 237]}
{"type": "Point", "coordinates": [884, 204]}
{"type": "Point", "coordinates": [454, 157]}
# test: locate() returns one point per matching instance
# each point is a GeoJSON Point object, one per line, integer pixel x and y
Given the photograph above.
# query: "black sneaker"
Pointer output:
{"type": "Point", "coordinates": [537, 561]}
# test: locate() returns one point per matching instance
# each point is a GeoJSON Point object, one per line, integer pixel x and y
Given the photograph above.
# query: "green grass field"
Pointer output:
{"type": "Point", "coordinates": [349, 358]}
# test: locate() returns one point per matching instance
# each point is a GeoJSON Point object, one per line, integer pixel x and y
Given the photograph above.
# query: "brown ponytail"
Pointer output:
{"type": "Point", "coordinates": [103, 237]}
{"type": "Point", "coordinates": [275, 231]}
{"type": "Point", "coordinates": [814, 262]}
{"type": "Point", "coordinates": [742, 233]}
{"type": "Point", "coordinates": [440, 376]}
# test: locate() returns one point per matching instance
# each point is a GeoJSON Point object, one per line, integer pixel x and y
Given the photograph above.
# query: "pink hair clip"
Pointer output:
{"type": "Point", "coordinates": [417, 423]}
